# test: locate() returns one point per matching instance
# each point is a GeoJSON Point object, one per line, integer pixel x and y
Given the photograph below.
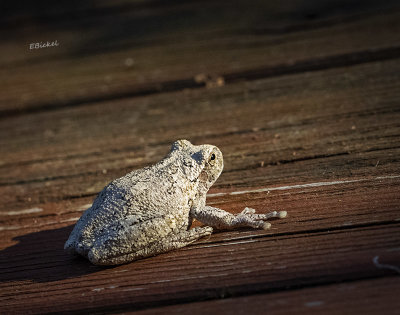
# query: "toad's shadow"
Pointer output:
{"type": "Point", "coordinates": [40, 257]}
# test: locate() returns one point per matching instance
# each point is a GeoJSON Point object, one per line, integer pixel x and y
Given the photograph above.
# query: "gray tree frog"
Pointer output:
{"type": "Point", "coordinates": [149, 211]}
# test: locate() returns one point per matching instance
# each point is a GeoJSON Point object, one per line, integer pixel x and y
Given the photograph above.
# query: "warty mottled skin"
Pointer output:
{"type": "Point", "coordinates": [149, 211]}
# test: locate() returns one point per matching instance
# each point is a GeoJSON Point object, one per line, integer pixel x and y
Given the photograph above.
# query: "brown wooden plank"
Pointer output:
{"type": "Point", "coordinates": [197, 272]}
{"type": "Point", "coordinates": [95, 130]}
{"type": "Point", "coordinates": [311, 207]}
{"type": "Point", "coordinates": [373, 296]}
{"type": "Point", "coordinates": [356, 129]}
{"type": "Point", "coordinates": [92, 64]}
{"type": "Point", "coordinates": [33, 246]}
{"type": "Point", "coordinates": [307, 121]}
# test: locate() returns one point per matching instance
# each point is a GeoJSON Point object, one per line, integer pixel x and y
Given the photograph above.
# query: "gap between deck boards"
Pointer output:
{"type": "Point", "coordinates": [81, 208]}
{"type": "Point", "coordinates": [229, 288]}
{"type": "Point", "coordinates": [126, 149]}
{"type": "Point", "coordinates": [314, 64]}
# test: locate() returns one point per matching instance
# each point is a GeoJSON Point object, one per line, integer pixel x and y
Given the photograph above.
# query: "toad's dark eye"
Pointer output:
{"type": "Point", "coordinates": [212, 156]}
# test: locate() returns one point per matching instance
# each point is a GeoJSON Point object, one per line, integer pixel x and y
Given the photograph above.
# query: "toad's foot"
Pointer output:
{"type": "Point", "coordinates": [249, 217]}
{"type": "Point", "coordinates": [221, 219]}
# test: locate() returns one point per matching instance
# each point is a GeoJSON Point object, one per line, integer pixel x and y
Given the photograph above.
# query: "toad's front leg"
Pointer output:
{"type": "Point", "coordinates": [221, 219]}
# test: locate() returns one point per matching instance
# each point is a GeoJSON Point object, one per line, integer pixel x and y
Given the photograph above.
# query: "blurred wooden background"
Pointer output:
{"type": "Point", "coordinates": [303, 99]}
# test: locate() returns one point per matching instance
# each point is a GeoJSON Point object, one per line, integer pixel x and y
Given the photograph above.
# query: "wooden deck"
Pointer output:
{"type": "Point", "coordinates": [303, 99]}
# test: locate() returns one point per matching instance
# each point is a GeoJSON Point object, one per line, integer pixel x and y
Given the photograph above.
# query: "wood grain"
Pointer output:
{"type": "Point", "coordinates": [76, 156]}
{"type": "Point", "coordinates": [359, 297]}
{"type": "Point", "coordinates": [167, 48]}
{"type": "Point", "coordinates": [303, 101]}
{"type": "Point", "coordinates": [216, 270]}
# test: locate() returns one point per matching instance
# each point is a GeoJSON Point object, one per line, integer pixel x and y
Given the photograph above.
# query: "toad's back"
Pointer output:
{"type": "Point", "coordinates": [138, 196]}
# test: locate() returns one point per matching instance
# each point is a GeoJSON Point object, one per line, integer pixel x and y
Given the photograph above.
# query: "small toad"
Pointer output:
{"type": "Point", "coordinates": [149, 211]}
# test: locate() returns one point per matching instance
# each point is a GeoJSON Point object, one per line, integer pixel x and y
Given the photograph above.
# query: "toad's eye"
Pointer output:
{"type": "Point", "coordinates": [212, 157]}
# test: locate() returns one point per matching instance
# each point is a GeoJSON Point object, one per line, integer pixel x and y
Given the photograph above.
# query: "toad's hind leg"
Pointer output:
{"type": "Point", "coordinates": [142, 244]}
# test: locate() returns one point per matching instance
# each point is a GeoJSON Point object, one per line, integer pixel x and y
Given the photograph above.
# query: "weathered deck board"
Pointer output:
{"type": "Point", "coordinates": [267, 133]}
{"type": "Point", "coordinates": [324, 97]}
{"type": "Point", "coordinates": [216, 270]}
{"type": "Point", "coordinates": [358, 202]}
{"type": "Point", "coordinates": [307, 119]}
{"type": "Point", "coordinates": [96, 61]}
{"type": "Point", "coordinates": [320, 243]}
{"type": "Point", "coordinates": [358, 297]}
